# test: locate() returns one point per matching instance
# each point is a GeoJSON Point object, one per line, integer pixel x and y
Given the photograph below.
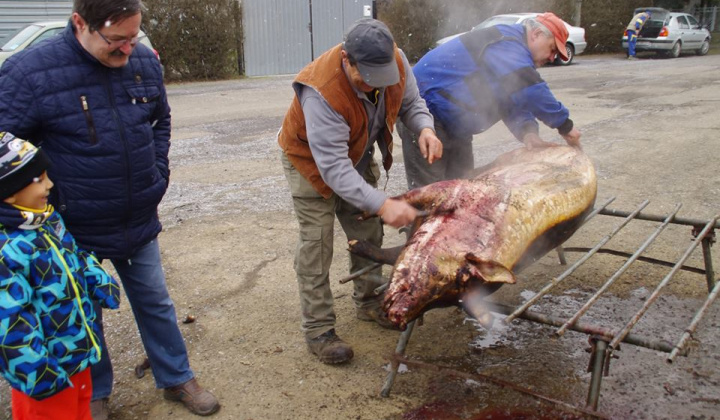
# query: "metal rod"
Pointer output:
{"type": "Point", "coordinates": [360, 272]}
{"type": "Point", "coordinates": [598, 364]}
{"type": "Point", "coordinates": [381, 289]}
{"type": "Point", "coordinates": [640, 258]}
{"type": "Point", "coordinates": [659, 218]}
{"type": "Point", "coordinates": [707, 256]}
{"type": "Point", "coordinates": [499, 382]}
{"type": "Point", "coordinates": [561, 255]}
{"type": "Point", "coordinates": [560, 250]}
{"type": "Point", "coordinates": [599, 209]}
{"type": "Point", "coordinates": [394, 363]}
{"type": "Point", "coordinates": [693, 325]}
{"type": "Point", "coordinates": [619, 272]}
{"type": "Point", "coordinates": [616, 341]}
{"type": "Point", "coordinates": [574, 267]}
{"type": "Point", "coordinates": [590, 329]}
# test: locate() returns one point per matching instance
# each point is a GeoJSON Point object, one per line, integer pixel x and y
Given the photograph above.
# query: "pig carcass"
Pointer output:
{"type": "Point", "coordinates": [481, 231]}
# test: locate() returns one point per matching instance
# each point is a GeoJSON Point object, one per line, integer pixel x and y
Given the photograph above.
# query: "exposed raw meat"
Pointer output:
{"type": "Point", "coordinates": [481, 231]}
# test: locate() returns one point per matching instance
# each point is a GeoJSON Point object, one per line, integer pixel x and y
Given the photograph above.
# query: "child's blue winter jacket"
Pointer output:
{"type": "Point", "coordinates": [47, 322]}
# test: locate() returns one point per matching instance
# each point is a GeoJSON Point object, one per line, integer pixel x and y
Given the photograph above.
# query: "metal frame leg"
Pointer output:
{"type": "Point", "coordinates": [707, 256]}
{"type": "Point", "coordinates": [394, 363]}
{"type": "Point", "coordinates": [598, 368]}
{"type": "Point", "coordinates": [561, 255]}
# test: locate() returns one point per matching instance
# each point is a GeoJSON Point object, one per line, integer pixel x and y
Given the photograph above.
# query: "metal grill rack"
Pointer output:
{"type": "Point", "coordinates": [604, 341]}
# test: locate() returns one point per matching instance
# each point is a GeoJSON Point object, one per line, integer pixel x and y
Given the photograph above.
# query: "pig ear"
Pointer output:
{"type": "Point", "coordinates": [489, 271]}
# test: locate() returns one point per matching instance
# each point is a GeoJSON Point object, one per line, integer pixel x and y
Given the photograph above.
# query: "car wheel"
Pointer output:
{"type": "Point", "coordinates": [675, 51]}
{"type": "Point", "coordinates": [570, 53]}
{"type": "Point", "coordinates": [704, 48]}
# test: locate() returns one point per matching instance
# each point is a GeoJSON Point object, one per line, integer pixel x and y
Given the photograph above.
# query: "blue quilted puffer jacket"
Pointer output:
{"type": "Point", "coordinates": [47, 322]}
{"type": "Point", "coordinates": [107, 132]}
{"type": "Point", "coordinates": [481, 77]}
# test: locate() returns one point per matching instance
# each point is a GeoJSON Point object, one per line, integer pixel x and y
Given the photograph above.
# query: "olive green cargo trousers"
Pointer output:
{"type": "Point", "coordinates": [314, 252]}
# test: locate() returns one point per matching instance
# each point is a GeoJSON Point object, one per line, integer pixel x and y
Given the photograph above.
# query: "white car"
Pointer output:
{"type": "Point", "coordinates": [40, 31]}
{"type": "Point", "coordinates": [576, 36]}
{"type": "Point", "coordinates": [670, 33]}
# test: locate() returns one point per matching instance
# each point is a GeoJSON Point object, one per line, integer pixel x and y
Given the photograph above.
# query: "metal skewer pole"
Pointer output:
{"type": "Point", "coordinates": [616, 341]}
{"type": "Point", "coordinates": [574, 267]}
{"type": "Point", "coordinates": [693, 325]}
{"type": "Point", "coordinates": [619, 272]}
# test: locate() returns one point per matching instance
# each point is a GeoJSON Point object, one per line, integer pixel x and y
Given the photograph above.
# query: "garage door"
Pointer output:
{"type": "Point", "coordinates": [282, 36]}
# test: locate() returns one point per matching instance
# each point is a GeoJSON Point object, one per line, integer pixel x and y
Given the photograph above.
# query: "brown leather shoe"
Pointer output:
{"type": "Point", "coordinates": [375, 314]}
{"type": "Point", "coordinates": [99, 409]}
{"type": "Point", "coordinates": [193, 397]}
{"type": "Point", "coordinates": [329, 348]}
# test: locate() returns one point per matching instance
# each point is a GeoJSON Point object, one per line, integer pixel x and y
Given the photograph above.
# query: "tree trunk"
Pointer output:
{"type": "Point", "coordinates": [577, 13]}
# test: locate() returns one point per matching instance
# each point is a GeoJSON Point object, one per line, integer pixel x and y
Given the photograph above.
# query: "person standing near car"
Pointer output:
{"type": "Point", "coordinates": [633, 30]}
{"type": "Point", "coordinates": [94, 99]}
{"type": "Point", "coordinates": [479, 78]}
{"type": "Point", "coordinates": [346, 101]}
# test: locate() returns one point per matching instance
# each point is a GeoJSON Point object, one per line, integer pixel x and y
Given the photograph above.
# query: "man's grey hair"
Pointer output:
{"type": "Point", "coordinates": [532, 24]}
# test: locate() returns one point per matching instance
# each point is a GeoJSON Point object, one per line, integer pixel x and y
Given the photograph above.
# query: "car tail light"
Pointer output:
{"type": "Point", "coordinates": [664, 31]}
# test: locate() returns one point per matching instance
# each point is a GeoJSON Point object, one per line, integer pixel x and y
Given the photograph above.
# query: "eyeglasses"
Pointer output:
{"type": "Point", "coordinates": [121, 42]}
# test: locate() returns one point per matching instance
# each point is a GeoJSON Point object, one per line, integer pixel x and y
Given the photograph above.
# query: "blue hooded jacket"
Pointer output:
{"type": "Point", "coordinates": [47, 322]}
{"type": "Point", "coordinates": [107, 132]}
{"type": "Point", "coordinates": [481, 77]}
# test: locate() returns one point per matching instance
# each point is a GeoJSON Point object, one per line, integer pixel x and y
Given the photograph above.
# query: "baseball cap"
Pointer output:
{"type": "Point", "coordinates": [371, 45]}
{"type": "Point", "coordinates": [558, 29]}
{"type": "Point", "coordinates": [20, 162]}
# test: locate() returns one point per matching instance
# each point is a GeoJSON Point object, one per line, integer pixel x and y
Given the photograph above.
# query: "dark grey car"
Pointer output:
{"type": "Point", "coordinates": [671, 33]}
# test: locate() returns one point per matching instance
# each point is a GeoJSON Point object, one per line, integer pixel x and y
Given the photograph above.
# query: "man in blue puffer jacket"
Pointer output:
{"type": "Point", "coordinates": [94, 98]}
{"type": "Point", "coordinates": [479, 78]}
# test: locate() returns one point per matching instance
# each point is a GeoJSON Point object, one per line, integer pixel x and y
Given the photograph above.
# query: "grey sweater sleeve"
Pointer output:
{"type": "Point", "coordinates": [328, 134]}
{"type": "Point", "coordinates": [414, 112]}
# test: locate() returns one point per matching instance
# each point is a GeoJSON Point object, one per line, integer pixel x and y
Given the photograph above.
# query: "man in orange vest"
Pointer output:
{"type": "Point", "coordinates": [347, 101]}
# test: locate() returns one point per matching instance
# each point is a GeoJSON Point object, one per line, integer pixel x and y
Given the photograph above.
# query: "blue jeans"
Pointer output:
{"type": "Point", "coordinates": [143, 279]}
{"type": "Point", "coordinates": [632, 40]}
{"type": "Point", "coordinates": [457, 160]}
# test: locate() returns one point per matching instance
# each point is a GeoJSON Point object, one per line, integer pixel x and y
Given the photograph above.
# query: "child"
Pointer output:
{"type": "Point", "coordinates": [48, 334]}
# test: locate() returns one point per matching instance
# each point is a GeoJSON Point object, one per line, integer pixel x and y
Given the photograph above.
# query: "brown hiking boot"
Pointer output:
{"type": "Point", "coordinates": [329, 348]}
{"type": "Point", "coordinates": [375, 314]}
{"type": "Point", "coordinates": [193, 397]}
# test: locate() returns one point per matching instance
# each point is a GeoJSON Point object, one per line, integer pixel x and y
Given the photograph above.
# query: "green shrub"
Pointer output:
{"type": "Point", "coordinates": [605, 21]}
{"type": "Point", "coordinates": [197, 40]}
{"type": "Point", "coordinates": [417, 24]}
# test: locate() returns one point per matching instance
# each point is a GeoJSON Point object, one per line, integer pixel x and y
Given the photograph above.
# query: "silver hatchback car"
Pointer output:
{"type": "Point", "coordinates": [671, 33]}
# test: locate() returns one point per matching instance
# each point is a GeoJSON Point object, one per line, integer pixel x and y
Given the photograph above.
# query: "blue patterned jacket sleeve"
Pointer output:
{"type": "Point", "coordinates": [24, 360]}
{"type": "Point", "coordinates": [102, 287]}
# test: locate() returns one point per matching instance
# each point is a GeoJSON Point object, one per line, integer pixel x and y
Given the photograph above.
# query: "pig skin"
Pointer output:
{"type": "Point", "coordinates": [482, 230]}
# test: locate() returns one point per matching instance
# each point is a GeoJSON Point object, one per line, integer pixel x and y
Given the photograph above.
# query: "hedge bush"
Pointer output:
{"type": "Point", "coordinates": [196, 40]}
{"type": "Point", "coordinates": [417, 24]}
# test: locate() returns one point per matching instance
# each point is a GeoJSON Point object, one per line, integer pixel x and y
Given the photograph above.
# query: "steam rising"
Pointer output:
{"type": "Point", "coordinates": [462, 15]}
